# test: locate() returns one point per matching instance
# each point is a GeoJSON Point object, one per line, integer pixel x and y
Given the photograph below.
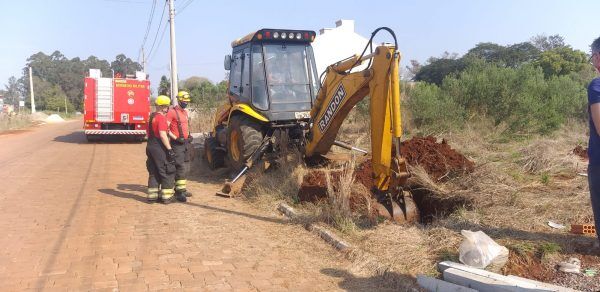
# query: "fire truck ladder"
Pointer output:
{"type": "Point", "coordinates": [104, 100]}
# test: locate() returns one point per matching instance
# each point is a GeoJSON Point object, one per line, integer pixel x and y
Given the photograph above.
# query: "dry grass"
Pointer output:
{"type": "Point", "coordinates": [13, 122]}
{"type": "Point", "coordinates": [202, 120]}
{"type": "Point", "coordinates": [276, 184]}
{"type": "Point", "coordinates": [518, 185]}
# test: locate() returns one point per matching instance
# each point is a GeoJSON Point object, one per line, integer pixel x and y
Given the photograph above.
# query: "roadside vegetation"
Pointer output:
{"type": "Point", "coordinates": [14, 122]}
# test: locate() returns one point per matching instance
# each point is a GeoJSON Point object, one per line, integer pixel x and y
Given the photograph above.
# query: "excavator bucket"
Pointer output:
{"type": "Point", "coordinates": [401, 209]}
{"type": "Point", "coordinates": [232, 188]}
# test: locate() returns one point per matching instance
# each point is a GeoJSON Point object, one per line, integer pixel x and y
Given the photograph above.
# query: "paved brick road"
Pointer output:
{"type": "Point", "coordinates": [73, 217]}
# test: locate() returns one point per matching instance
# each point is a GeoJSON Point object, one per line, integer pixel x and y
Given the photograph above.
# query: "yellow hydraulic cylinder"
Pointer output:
{"type": "Point", "coordinates": [396, 116]}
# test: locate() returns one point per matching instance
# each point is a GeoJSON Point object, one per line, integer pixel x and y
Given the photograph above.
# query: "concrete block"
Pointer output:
{"type": "Point", "coordinates": [436, 285]}
{"type": "Point", "coordinates": [481, 283]}
{"type": "Point", "coordinates": [488, 279]}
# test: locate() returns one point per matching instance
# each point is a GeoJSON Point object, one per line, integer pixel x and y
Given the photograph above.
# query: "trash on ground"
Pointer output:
{"type": "Point", "coordinates": [556, 225]}
{"type": "Point", "coordinates": [479, 250]}
{"type": "Point", "coordinates": [573, 265]}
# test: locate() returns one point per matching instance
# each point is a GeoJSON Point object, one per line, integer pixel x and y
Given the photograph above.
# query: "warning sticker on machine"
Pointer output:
{"type": "Point", "coordinates": [332, 108]}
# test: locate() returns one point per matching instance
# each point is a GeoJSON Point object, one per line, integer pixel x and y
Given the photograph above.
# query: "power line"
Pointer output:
{"type": "Point", "coordinates": [184, 6]}
{"type": "Point", "coordinates": [149, 22]}
{"type": "Point", "coordinates": [158, 30]}
{"type": "Point", "coordinates": [159, 43]}
{"type": "Point", "coordinates": [126, 1]}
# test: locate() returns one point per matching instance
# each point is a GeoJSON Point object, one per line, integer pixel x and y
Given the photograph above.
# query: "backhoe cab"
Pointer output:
{"type": "Point", "coordinates": [273, 83]}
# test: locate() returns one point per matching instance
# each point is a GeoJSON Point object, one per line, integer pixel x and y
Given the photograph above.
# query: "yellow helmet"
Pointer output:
{"type": "Point", "coordinates": [162, 100]}
{"type": "Point", "coordinates": [183, 96]}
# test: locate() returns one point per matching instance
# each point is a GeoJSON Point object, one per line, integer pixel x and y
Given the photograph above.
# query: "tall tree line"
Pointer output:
{"type": "Point", "coordinates": [56, 77]}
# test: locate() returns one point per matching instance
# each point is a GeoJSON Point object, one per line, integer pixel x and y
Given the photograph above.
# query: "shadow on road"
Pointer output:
{"type": "Point", "coordinates": [125, 195]}
{"type": "Point", "coordinates": [237, 213]}
{"type": "Point", "coordinates": [390, 281]}
{"type": "Point", "coordinates": [78, 137]}
{"type": "Point", "coordinates": [138, 193]}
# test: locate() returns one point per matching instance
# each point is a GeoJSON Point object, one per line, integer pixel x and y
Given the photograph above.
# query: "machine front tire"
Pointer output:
{"type": "Point", "coordinates": [243, 138]}
{"type": "Point", "coordinates": [214, 157]}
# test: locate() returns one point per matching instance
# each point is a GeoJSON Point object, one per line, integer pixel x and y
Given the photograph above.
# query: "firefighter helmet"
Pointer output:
{"type": "Point", "coordinates": [183, 96]}
{"type": "Point", "coordinates": [162, 100]}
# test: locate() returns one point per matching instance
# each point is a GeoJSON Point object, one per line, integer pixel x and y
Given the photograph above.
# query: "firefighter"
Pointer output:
{"type": "Point", "coordinates": [161, 157]}
{"type": "Point", "coordinates": [178, 121]}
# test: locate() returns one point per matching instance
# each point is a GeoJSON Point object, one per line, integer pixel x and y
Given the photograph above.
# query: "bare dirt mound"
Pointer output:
{"type": "Point", "coordinates": [439, 160]}
{"type": "Point", "coordinates": [581, 152]}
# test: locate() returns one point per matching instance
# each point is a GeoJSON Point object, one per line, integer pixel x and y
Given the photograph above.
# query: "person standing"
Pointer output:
{"type": "Point", "coordinates": [178, 120]}
{"type": "Point", "coordinates": [160, 160]}
{"type": "Point", "coordinates": [594, 142]}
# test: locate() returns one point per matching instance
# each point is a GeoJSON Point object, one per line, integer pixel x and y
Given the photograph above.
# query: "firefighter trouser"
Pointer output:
{"type": "Point", "coordinates": [181, 164]}
{"type": "Point", "coordinates": [161, 173]}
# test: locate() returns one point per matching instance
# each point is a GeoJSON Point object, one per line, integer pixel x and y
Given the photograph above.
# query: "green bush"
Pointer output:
{"type": "Point", "coordinates": [432, 110]}
{"type": "Point", "coordinates": [520, 98]}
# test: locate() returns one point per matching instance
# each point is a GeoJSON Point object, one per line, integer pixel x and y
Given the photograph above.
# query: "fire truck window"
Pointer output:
{"type": "Point", "coordinates": [246, 75]}
{"type": "Point", "coordinates": [259, 86]}
{"type": "Point", "coordinates": [236, 74]}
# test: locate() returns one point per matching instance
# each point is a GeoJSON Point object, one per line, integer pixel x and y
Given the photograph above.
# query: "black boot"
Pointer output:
{"type": "Point", "coordinates": [180, 196]}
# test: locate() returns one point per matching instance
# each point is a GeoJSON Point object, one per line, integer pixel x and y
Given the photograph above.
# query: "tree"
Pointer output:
{"type": "Point", "coordinates": [438, 69]}
{"type": "Point", "coordinates": [562, 61]}
{"type": "Point", "coordinates": [546, 43]}
{"type": "Point", "coordinates": [11, 95]}
{"type": "Point", "coordinates": [123, 65]}
{"type": "Point", "coordinates": [508, 56]}
{"type": "Point", "coordinates": [413, 69]}
{"type": "Point", "coordinates": [489, 52]}
{"type": "Point", "coordinates": [164, 87]}
{"type": "Point", "coordinates": [55, 99]}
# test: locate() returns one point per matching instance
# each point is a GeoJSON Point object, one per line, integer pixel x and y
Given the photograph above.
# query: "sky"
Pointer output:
{"type": "Point", "coordinates": [205, 29]}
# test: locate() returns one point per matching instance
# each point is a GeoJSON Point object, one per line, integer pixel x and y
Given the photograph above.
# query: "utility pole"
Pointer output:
{"type": "Point", "coordinates": [31, 90]}
{"type": "Point", "coordinates": [66, 113]}
{"type": "Point", "coordinates": [174, 83]}
{"type": "Point", "coordinates": [143, 61]}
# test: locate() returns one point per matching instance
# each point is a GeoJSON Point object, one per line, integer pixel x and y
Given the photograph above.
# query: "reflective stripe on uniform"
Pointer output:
{"type": "Point", "coordinates": [152, 190]}
{"type": "Point", "coordinates": [167, 191]}
{"type": "Point", "coordinates": [180, 184]}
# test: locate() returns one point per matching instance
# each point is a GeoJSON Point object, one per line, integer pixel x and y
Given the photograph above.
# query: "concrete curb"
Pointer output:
{"type": "Point", "coordinates": [361, 260]}
{"type": "Point", "coordinates": [322, 232]}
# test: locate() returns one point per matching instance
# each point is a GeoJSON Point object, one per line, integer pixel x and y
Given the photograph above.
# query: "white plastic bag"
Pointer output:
{"type": "Point", "coordinates": [477, 249]}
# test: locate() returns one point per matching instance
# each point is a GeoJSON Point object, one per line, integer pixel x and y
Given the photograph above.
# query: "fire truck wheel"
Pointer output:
{"type": "Point", "coordinates": [215, 157]}
{"type": "Point", "coordinates": [243, 138]}
{"type": "Point", "coordinates": [91, 138]}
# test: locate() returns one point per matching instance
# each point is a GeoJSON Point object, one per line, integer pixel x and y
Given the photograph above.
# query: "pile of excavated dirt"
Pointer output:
{"type": "Point", "coordinates": [581, 152]}
{"type": "Point", "coordinates": [439, 160]}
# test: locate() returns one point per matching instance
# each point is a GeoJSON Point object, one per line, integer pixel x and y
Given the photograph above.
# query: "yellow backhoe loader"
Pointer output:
{"type": "Point", "coordinates": [277, 100]}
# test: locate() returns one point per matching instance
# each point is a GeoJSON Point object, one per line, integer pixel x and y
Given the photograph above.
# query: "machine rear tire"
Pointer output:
{"type": "Point", "coordinates": [214, 157]}
{"type": "Point", "coordinates": [244, 136]}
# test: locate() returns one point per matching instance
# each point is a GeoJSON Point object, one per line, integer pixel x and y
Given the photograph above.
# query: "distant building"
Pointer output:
{"type": "Point", "coordinates": [334, 44]}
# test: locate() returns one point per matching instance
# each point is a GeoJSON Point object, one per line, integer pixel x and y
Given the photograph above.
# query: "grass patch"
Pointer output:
{"type": "Point", "coordinates": [14, 122]}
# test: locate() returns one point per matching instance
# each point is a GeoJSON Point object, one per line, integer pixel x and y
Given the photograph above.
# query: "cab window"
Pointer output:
{"type": "Point", "coordinates": [259, 88]}
{"type": "Point", "coordinates": [245, 92]}
{"type": "Point", "coordinates": [235, 74]}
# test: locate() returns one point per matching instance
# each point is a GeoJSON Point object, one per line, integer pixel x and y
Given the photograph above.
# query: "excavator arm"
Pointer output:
{"type": "Point", "coordinates": [340, 92]}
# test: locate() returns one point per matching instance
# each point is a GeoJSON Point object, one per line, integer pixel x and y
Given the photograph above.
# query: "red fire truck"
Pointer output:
{"type": "Point", "coordinates": [116, 106]}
